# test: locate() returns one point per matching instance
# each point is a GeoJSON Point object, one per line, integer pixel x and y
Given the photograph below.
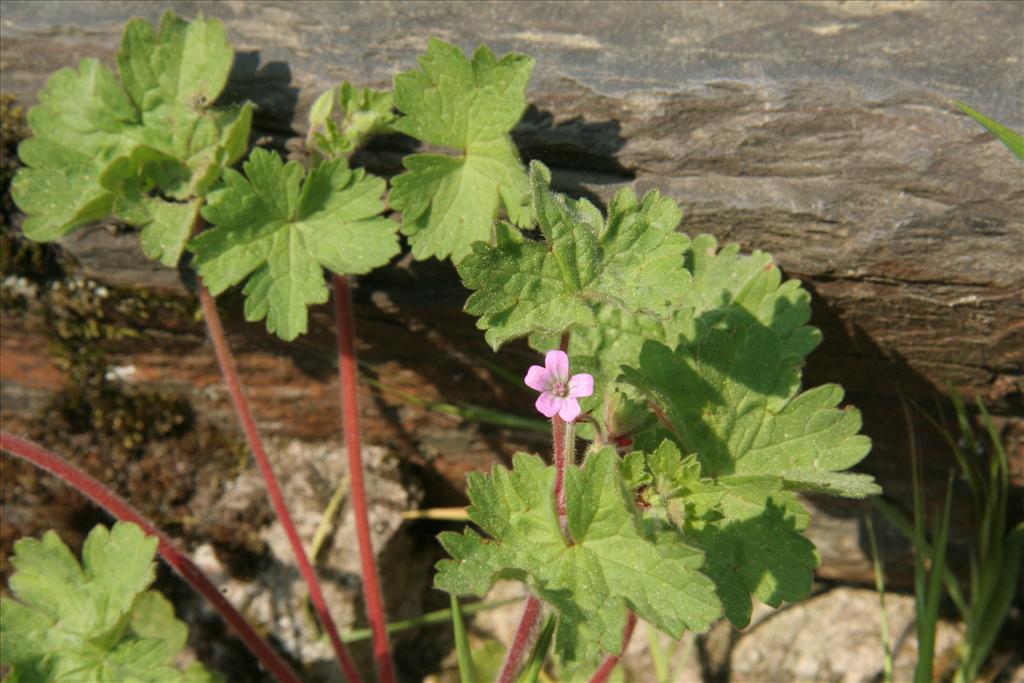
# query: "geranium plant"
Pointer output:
{"type": "Point", "coordinates": [680, 442]}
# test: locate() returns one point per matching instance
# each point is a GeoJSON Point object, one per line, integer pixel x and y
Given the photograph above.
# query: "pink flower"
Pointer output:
{"type": "Point", "coordinates": [558, 391]}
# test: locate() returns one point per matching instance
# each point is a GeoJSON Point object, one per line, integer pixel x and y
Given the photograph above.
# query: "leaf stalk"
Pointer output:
{"type": "Point", "coordinates": [525, 633]}
{"type": "Point", "coordinates": [241, 405]}
{"type": "Point", "coordinates": [347, 373]}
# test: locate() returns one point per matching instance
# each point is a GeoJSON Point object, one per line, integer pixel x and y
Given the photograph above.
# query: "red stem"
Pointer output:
{"type": "Point", "coordinates": [525, 634]}
{"type": "Point", "coordinates": [227, 368]}
{"type": "Point", "coordinates": [558, 429]}
{"type": "Point", "coordinates": [606, 668]}
{"type": "Point", "coordinates": [98, 493]}
{"type": "Point", "coordinates": [561, 463]}
{"type": "Point", "coordinates": [347, 371]}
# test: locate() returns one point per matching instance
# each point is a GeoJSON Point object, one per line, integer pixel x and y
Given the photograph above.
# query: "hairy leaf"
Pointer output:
{"type": "Point", "coordinates": [281, 228]}
{"type": "Point", "coordinates": [90, 622]}
{"type": "Point", "coordinates": [137, 146]}
{"type": "Point", "coordinates": [731, 397]}
{"type": "Point", "coordinates": [363, 113]}
{"type": "Point", "coordinates": [748, 526]}
{"type": "Point", "coordinates": [449, 202]}
{"type": "Point", "coordinates": [632, 261]}
{"type": "Point", "coordinates": [616, 561]}
{"type": "Point", "coordinates": [729, 290]}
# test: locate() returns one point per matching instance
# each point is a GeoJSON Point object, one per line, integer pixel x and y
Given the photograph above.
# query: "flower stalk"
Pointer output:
{"type": "Point", "coordinates": [558, 437]}
{"type": "Point", "coordinates": [99, 494]}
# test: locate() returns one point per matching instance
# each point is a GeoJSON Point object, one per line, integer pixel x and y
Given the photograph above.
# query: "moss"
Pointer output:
{"type": "Point", "coordinates": [86, 321]}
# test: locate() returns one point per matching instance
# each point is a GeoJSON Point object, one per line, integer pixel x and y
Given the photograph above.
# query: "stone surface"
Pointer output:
{"type": "Point", "coordinates": [822, 132]}
{"type": "Point", "coordinates": [832, 637]}
{"type": "Point", "coordinates": [267, 585]}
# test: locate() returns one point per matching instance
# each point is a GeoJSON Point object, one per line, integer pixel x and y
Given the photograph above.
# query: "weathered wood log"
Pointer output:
{"type": "Point", "coordinates": [823, 133]}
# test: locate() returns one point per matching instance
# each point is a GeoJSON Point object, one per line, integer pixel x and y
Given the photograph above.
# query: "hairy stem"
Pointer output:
{"type": "Point", "coordinates": [347, 371]}
{"type": "Point", "coordinates": [98, 493]}
{"type": "Point", "coordinates": [530, 620]}
{"type": "Point", "coordinates": [227, 368]}
{"type": "Point", "coordinates": [525, 634]}
{"type": "Point", "coordinates": [606, 668]}
{"type": "Point", "coordinates": [558, 432]}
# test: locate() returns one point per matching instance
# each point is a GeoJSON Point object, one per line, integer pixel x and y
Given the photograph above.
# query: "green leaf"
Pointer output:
{"type": "Point", "coordinates": [731, 397]}
{"type": "Point", "coordinates": [729, 289]}
{"type": "Point", "coordinates": [130, 147]}
{"type": "Point", "coordinates": [59, 188]}
{"type": "Point", "coordinates": [93, 622]}
{"type": "Point", "coordinates": [364, 112]}
{"type": "Point", "coordinates": [449, 202]}
{"type": "Point", "coordinates": [153, 617]}
{"type": "Point", "coordinates": [631, 261]}
{"type": "Point", "coordinates": [1009, 137]}
{"type": "Point", "coordinates": [756, 546]}
{"type": "Point", "coordinates": [748, 526]}
{"type": "Point", "coordinates": [322, 108]}
{"type": "Point", "coordinates": [846, 484]}
{"type": "Point", "coordinates": [281, 228]}
{"type": "Point", "coordinates": [617, 561]}
{"type": "Point", "coordinates": [164, 236]}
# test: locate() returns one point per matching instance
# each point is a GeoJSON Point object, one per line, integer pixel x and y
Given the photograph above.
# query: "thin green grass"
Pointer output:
{"type": "Point", "coordinates": [441, 616]}
{"type": "Point", "coordinates": [535, 664]}
{"type": "Point", "coordinates": [994, 558]}
{"type": "Point", "coordinates": [879, 571]}
{"type": "Point", "coordinates": [467, 673]}
{"type": "Point", "coordinates": [1009, 137]}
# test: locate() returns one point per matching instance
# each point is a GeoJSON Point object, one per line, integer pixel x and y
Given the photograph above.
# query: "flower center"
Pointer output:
{"type": "Point", "coordinates": [560, 388]}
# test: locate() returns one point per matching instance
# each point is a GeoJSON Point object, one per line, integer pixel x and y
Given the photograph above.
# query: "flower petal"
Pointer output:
{"type": "Point", "coordinates": [570, 409]}
{"type": "Point", "coordinates": [538, 378]}
{"type": "Point", "coordinates": [548, 404]}
{"type": "Point", "coordinates": [581, 385]}
{"type": "Point", "coordinates": [557, 364]}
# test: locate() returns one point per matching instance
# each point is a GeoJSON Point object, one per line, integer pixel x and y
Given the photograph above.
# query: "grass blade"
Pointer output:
{"type": "Point", "coordinates": [1013, 140]}
{"type": "Point", "coordinates": [879, 570]}
{"type": "Point", "coordinates": [329, 518]}
{"type": "Point", "coordinates": [658, 655]}
{"type": "Point", "coordinates": [455, 514]}
{"type": "Point", "coordinates": [540, 652]}
{"type": "Point", "coordinates": [899, 521]}
{"type": "Point", "coordinates": [467, 674]}
{"type": "Point", "coordinates": [441, 616]}
{"type": "Point", "coordinates": [929, 585]}
{"type": "Point", "coordinates": [467, 412]}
